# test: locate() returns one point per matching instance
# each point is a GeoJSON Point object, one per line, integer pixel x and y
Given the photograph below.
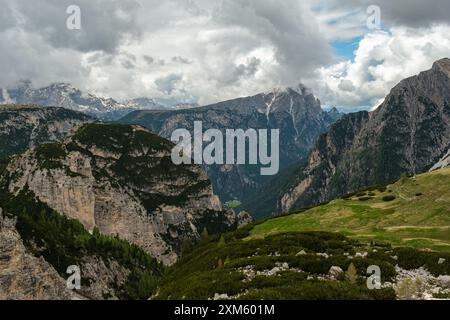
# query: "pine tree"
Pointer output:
{"type": "Point", "coordinates": [204, 235]}
{"type": "Point", "coordinates": [221, 243]}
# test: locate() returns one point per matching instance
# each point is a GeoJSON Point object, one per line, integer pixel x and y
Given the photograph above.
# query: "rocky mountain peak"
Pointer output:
{"type": "Point", "coordinates": [407, 134]}
{"type": "Point", "coordinates": [443, 65]}
{"type": "Point", "coordinates": [62, 86]}
{"type": "Point", "coordinates": [299, 90]}
{"type": "Point", "coordinates": [143, 103]}
{"type": "Point", "coordinates": [295, 112]}
{"type": "Point", "coordinates": [293, 100]}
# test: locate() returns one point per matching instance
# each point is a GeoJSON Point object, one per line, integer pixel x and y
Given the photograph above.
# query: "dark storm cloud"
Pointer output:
{"type": "Point", "coordinates": [415, 13]}
{"type": "Point", "coordinates": [148, 59]}
{"type": "Point", "coordinates": [182, 60]}
{"type": "Point", "coordinates": [241, 71]}
{"type": "Point", "coordinates": [287, 25]}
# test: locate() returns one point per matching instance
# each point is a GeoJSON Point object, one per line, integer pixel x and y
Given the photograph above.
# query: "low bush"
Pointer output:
{"type": "Point", "coordinates": [409, 258]}
{"type": "Point", "coordinates": [361, 194]}
{"type": "Point", "coordinates": [319, 290]}
{"type": "Point", "coordinates": [388, 198]}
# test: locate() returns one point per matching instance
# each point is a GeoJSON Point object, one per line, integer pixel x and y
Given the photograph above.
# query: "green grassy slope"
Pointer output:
{"type": "Point", "coordinates": [405, 224]}
{"type": "Point", "coordinates": [252, 268]}
{"type": "Point", "coordinates": [411, 212]}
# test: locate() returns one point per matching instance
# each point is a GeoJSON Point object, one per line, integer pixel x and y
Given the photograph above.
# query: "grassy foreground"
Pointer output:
{"type": "Point", "coordinates": [412, 212]}
{"type": "Point", "coordinates": [324, 252]}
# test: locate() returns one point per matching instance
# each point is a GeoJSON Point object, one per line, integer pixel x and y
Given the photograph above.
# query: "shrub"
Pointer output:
{"type": "Point", "coordinates": [351, 274]}
{"type": "Point", "coordinates": [389, 198]}
{"type": "Point", "coordinates": [408, 288]}
{"type": "Point", "coordinates": [243, 232]}
{"type": "Point", "coordinates": [409, 258]}
{"type": "Point", "coordinates": [49, 155]}
{"type": "Point", "coordinates": [361, 194]}
{"type": "Point", "coordinates": [318, 290]}
{"type": "Point", "coordinates": [442, 295]}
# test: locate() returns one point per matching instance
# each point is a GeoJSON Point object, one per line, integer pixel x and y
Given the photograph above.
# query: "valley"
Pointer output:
{"type": "Point", "coordinates": [215, 158]}
{"type": "Point", "coordinates": [107, 197]}
{"type": "Point", "coordinates": [294, 111]}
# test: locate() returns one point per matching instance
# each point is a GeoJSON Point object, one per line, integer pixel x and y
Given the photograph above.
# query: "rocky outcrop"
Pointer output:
{"type": "Point", "coordinates": [28, 270]}
{"type": "Point", "coordinates": [409, 133]}
{"type": "Point", "coordinates": [25, 126]}
{"type": "Point", "coordinates": [24, 276]}
{"type": "Point", "coordinates": [442, 163]}
{"type": "Point", "coordinates": [120, 180]}
{"type": "Point", "coordinates": [244, 218]}
{"type": "Point", "coordinates": [294, 111]}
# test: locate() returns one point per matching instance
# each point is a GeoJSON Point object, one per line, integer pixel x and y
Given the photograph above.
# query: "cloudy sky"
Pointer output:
{"type": "Point", "coordinates": [210, 50]}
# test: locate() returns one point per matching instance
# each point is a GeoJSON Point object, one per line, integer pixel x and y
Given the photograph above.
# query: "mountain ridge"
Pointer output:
{"type": "Point", "coordinates": [120, 180]}
{"type": "Point", "coordinates": [296, 112]}
{"type": "Point", "coordinates": [407, 134]}
{"type": "Point", "coordinates": [65, 95]}
{"type": "Point", "coordinates": [26, 126]}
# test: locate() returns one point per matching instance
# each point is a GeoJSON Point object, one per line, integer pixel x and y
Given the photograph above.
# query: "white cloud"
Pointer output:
{"type": "Point", "coordinates": [382, 60]}
{"type": "Point", "coordinates": [218, 49]}
{"type": "Point", "coordinates": [212, 50]}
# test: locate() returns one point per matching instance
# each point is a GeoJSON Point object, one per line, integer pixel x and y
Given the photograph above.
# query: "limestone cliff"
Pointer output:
{"type": "Point", "coordinates": [120, 180]}
{"type": "Point", "coordinates": [24, 276]}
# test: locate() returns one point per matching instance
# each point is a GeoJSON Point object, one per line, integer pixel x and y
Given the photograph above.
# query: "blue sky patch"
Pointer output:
{"type": "Point", "coordinates": [346, 49]}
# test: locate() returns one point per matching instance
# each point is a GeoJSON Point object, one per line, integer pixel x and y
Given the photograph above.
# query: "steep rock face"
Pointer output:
{"type": "Point", "coordinates": [294, 111]}
{"type": "Point", "coordinates": [25, 126]}
{"type": "Point", "coordinates": [24, 276]}
{"type": "Point", "coordinates": [120, 180]}
{"type": "Point", "coordinates": [407, 134]}
{"type": "Point", "coordinates": [442, 163]}
{"type": "Point", "coordinates": [38, 245]}
{"type": "Point", "coordinates": [313, 179]}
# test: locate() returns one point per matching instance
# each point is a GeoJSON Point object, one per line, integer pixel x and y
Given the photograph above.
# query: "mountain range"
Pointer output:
{"type": "Point", "coordinates": [66, 96]}
{"type": "Point", "coordinates": [294, 111]}
{"type": "Point", "coordinates": [354, 190]}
